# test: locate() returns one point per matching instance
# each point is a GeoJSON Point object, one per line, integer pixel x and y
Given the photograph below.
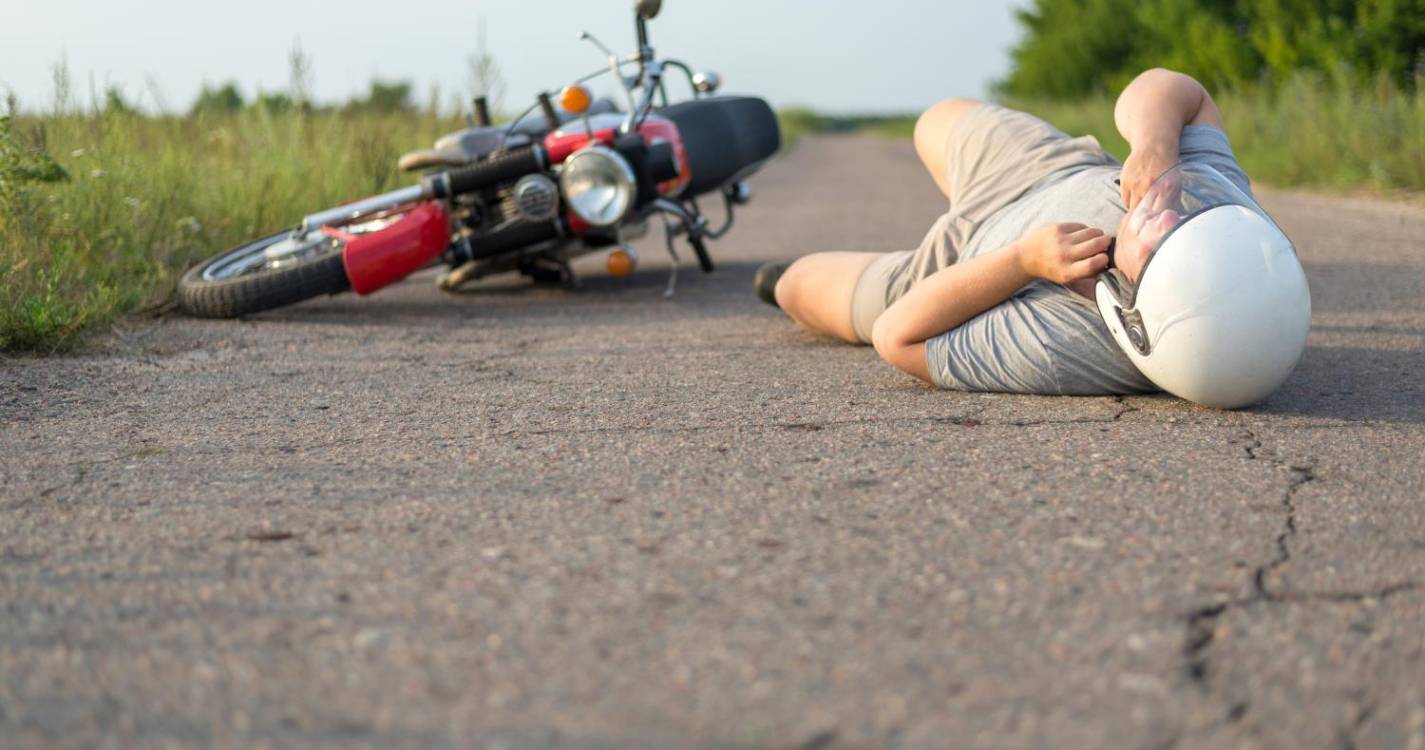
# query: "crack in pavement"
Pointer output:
{"type": "Point", "coordinates": [1301, 475]}
{"type": "Point", "coordinates": [1201, 632]}
{"type": "Point", "coordinates": [1201, 623]}
{"type": "Point", "coordinates": [1364, 710]}
{"type": "Point", "coordinates": [963, 420]}
{"type": "Point", "coordinates": [1124, 409]}
{"type": "Point", "coordinates": [970, 419]}
{"type": "Point", "coordinates": [81, 472]}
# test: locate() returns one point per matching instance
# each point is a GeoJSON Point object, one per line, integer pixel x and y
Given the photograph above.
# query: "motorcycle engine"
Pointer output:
{"type": "Point", "coordinates": [534, 198]}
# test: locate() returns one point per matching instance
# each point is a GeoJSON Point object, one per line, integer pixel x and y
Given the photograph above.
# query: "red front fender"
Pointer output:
{"type": "Point", "coordinates": [385, 256]}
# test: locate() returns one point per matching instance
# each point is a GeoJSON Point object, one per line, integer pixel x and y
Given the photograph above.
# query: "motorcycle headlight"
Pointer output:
{"type": "Point", "coordinates": [599, 185]}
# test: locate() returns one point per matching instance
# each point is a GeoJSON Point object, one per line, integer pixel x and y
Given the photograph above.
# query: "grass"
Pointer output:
{"type": "Point", "coordinates": [800, 121]}
{"type": "Point", "coordinates": [1311, 132]}
{"type": "Point", "coordinates": [126, 202]}
{"type": "Point", "coordinates": [145, 197]}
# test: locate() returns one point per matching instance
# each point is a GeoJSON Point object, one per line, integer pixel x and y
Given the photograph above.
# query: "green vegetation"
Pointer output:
{"type": "Point", "coordinates": [800, 121]}
{"type": "Point", "coordinates": [1306, 133]}
{"type": "Point", "coordinates": [1075, 48]}
{"type": "Point", "coordinates": [1321, 93]}
{"type": "Point", "coordinates": [100, 211]}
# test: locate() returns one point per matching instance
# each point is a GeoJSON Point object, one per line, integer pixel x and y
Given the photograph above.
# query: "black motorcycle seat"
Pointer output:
{"type": "Point", "coordinates": [726, 137]}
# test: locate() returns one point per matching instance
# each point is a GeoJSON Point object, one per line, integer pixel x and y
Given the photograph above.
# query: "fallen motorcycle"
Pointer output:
{"type": "Point", "coordinates": [558, 182]}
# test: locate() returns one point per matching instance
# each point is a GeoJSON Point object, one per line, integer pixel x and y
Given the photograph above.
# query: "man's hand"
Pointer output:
{"type": "Point", "coordinates": [1144, 164]}
{"type": "Point", "coordinates": [1150, 114]}
{"type": "Point", "coordinates": [1064, 253]}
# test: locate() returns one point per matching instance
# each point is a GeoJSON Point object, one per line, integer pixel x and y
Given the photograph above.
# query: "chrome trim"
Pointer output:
{"type": "Point", "coordinates": [669, 234]}
{"type": "Point", "coordinates": [728, 205]}
{"type": "Point", "coordinates": [535, 197]}
{"type": "Point", "coordinates": [614, 64]}
{"type": "Point", "coordinates": [352, 211]}
{"type": "Point", "coordinates": [619, 162]}
{"type": "Point", "coordinates": [676, 209]}
{"type": "Point", "coordinates": [652, 73]}
{"type": "Point", "coordinates": [706, 81]}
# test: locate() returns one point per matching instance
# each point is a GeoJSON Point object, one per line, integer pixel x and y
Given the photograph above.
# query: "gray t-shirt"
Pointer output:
{"type": "Point", "coordinates": [1046, 338]}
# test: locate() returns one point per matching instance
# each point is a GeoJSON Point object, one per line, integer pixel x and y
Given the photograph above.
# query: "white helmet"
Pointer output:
{"type": "Point", "coordinates": [1220, 310]}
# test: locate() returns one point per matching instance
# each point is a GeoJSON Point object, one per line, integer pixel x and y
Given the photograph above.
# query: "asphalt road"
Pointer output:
{"type": "Point", "coordinates": [539, 518]}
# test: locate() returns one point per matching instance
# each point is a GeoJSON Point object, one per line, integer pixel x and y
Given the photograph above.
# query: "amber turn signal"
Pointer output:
{"type": "Point", "coordinates": [621, 262]}
{"type": "Point", "coordinates": [575, 99]}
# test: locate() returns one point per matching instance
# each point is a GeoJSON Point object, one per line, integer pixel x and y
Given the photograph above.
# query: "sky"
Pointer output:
{"type": "Point", "coordinates": [839, 56]}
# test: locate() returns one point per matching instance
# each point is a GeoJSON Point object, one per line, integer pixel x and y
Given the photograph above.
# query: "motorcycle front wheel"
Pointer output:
{"type": "Point", "coordinates": [264, 274]}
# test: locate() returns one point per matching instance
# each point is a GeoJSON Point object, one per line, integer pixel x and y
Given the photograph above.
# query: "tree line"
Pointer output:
{"type": "Point", "coordinates": [382, 96]}
{"type": "Point", "coordinates": [1073, 48]}
{"type": "Point", "coordinates": [483, 78]}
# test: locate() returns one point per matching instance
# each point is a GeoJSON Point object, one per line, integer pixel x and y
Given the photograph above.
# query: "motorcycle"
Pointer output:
{"type": "Point", "coordinates": [556, 183]}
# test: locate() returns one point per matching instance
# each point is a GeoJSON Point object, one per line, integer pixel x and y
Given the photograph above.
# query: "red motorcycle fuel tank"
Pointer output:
{"type": "Point", "coordinates": [386, 255]}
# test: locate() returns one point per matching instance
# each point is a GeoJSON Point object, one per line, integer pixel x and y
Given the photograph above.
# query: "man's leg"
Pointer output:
{"type": "Point", "coordinates": [932, 137]}
{"type": "Point", "coordinates": [816, 291]}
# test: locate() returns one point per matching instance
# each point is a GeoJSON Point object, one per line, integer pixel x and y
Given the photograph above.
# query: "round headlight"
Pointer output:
{"type": "Point", "coordinates": [599, 185]}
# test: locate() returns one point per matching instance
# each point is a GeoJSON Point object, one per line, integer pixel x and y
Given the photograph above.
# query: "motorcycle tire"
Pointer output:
{"type": "Point", "coordinates": [205, 292]}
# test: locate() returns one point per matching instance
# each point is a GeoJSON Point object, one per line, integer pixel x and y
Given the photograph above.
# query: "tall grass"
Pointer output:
{"type": "Point", "coordinates": [146, 196]}
{"type": "Point", "coordinates": [1311, 131]}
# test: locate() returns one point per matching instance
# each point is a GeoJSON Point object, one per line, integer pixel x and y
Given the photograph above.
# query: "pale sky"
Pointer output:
{"type": "Point", "coordinates": [834, 55]}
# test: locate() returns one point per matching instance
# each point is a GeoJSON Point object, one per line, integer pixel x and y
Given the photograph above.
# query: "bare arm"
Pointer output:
{"type": "Point", "coordinates": [1150, 115]}
{"type": "Point", "coordinates": [1061, 253]}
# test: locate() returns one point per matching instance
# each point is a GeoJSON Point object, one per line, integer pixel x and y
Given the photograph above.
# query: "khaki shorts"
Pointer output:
{"type": "Point", "coordinates": [993, 156]}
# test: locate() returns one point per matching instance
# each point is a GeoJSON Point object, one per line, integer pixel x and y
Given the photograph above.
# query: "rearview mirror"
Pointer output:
{"type": "Point", "coordinates": [647, 9]}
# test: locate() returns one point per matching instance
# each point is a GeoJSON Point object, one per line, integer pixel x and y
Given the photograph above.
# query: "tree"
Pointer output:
{"type": "Point", "coordinates": [275, 104]}
{"type": "Point", "coordinates": [114, 102]}
{"type": "Point", "coordinates": [1072, 48]}
{"type": "Point", "coordinates": [223, 100]}
{"type": "Point", "coordinates": [385, 97]}
{"type": "Point", "coordinates": [1075, 47]}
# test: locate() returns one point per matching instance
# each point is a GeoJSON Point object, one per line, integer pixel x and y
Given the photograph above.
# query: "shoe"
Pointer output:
{"type": "Point", "coordinates": [765, 282]}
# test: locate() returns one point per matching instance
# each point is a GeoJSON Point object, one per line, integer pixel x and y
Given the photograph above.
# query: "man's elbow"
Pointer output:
{"type": "Point", "coordinates": [893, 346]}
{"type": "Point", "coordinates": [1165, 74]}
{"type": "Point", "coordinates": [883, 337]}
{"type": "Point", "coordinates": [1155, 88]}
{"type": "Point", "coordinates": [1172, 79]}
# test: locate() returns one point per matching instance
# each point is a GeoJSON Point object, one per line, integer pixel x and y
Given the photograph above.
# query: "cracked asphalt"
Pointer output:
{"type": "Point", "coordinates": [537, 518]}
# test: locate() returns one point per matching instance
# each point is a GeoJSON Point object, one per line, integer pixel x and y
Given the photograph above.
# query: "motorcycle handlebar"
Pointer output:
{"type": "Point", "coordinates": [488, 173]}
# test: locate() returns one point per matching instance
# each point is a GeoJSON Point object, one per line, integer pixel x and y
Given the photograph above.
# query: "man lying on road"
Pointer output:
{"type": "Point", "coordinates": [1000, 295]}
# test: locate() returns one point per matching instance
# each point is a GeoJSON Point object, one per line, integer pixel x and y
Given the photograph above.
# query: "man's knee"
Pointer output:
{"type": "Point", "coordinates": [788, 289]}
{"type": "Point", "coordinates": [932, 128]}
